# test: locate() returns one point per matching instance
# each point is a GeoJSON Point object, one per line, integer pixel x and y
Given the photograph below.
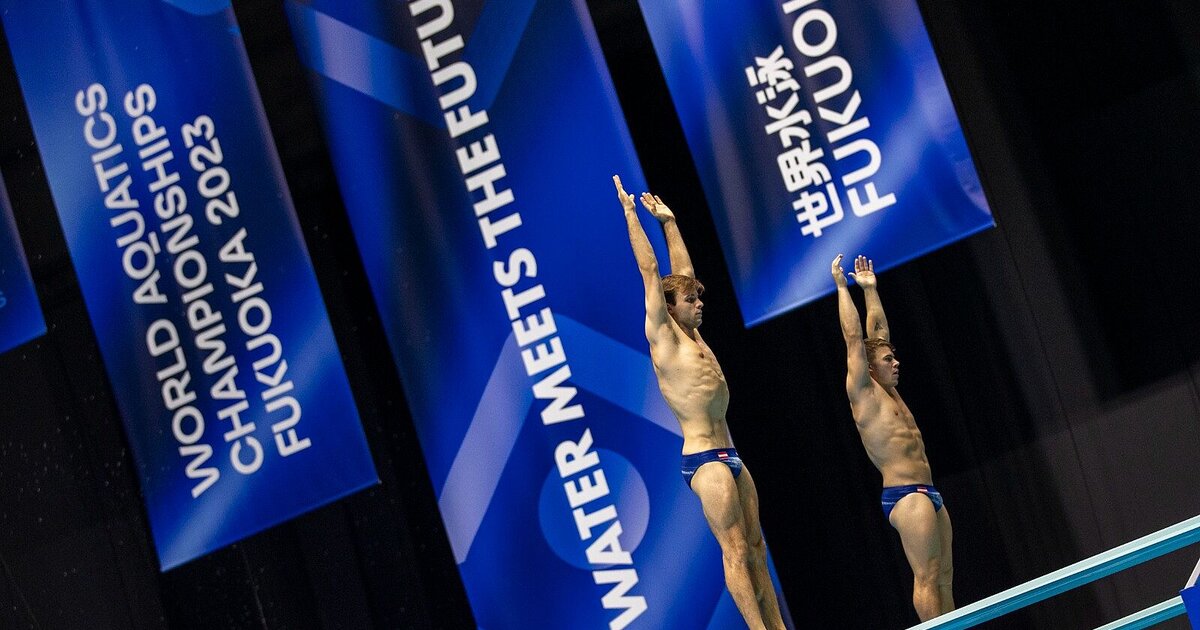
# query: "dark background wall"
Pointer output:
{"type": "Point", "coordinates": [1052, 362]}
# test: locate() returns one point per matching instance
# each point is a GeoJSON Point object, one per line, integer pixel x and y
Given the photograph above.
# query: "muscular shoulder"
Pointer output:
{"type": "Point", "coordinates": [664, 340]}
{"type": "Point", "coordinates": [866, 400]}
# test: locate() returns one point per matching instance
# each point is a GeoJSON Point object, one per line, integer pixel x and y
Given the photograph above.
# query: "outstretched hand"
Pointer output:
{"type": "Point", "coordinates": [864, 272]}
{"type": "Point", "coordinates": [625, 198]}
{"type": "Point", "coordinates": [657, 208]}
{"type": "Point", "coordinates": [839, 276]}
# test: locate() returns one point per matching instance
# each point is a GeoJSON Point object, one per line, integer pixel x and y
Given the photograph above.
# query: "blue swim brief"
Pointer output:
{"type": "Point", "coordinates": [893, 494]}
{"type": "Point", "coordinates": [694, 461]}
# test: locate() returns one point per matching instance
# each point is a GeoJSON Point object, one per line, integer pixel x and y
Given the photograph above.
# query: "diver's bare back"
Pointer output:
{"type": "Point", "coordinates": [891, 437]}
{"type": "Point", "coordinates": [694, 387]}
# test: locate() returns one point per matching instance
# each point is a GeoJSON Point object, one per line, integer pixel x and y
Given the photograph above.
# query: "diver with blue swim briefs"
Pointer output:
{"type": "Point", "coordinates": [893, 443]}
{"type": "Point", "coordinates": [891, 496]}
{"type": "Point", "coordinates": [694, 387]}
{"type": "Point", "coordinates": [693, 462]}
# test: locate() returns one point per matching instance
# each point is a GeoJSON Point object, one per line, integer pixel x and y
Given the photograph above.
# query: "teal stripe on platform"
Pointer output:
{"type": "Point", "coordinates": [1144, 619]}
{"type": "Point", "coordinates": [1082, 572]}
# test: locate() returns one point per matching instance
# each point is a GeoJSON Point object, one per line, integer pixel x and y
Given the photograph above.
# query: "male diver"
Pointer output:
{"type": "Point", "coordinates": [893, 443]}
{"type": "Point", "coordinates": [694, 387]}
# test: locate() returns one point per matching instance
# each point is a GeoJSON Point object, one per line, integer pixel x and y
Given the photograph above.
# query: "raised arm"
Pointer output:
{"type": "Point", "coordinates": [858, 378]}
{"type": "Point", "coordinates": [681, 263]}
{"type": "Point", "coordinates": [658, 321]}
{"type": "Point", "coordinates": [864, 275]}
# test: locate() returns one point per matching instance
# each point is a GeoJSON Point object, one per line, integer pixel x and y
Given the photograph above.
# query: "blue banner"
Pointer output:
{"type": "Point", "coordinates": [1191, 604]}
{"type": "Point", "coordinates": [1191, 598]}
{"type": "Point", "coordinates": [20, 317]}
{"type": "Point", "coordinates": [475, 144]}
{"type": "Point", "coordinates": [817, 127]}
{"type": "Point", "coordinates": [192, 265]}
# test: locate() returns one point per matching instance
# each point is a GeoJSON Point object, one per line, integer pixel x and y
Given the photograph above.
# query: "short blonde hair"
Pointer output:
{"type": "Point", "coordinates": [874, 344]}
{"type": "Point", "coordinates": [673, 285]}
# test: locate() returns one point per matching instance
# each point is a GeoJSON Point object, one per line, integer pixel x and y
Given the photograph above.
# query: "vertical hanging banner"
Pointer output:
{"type": "Point", "coordinates": [817, 127]}
{"type": "Point", "coordinates": [475, 144]}
{"type": "Point", "coordinates": [20, 316]}
{"type": "Point", "coordinates": [192, 265]}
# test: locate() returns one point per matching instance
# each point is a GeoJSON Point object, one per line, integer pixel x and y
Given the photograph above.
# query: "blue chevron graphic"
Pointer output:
{"type": "Point", "coordinates": [337, 51]}
{"type": "Point", "coordinates": [627, 381]}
